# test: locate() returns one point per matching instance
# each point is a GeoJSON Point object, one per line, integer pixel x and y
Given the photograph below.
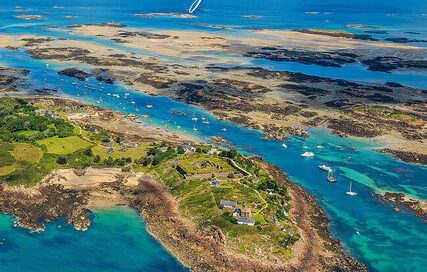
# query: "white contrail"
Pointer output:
{"type": "Point", "coordinates": [194, 6]}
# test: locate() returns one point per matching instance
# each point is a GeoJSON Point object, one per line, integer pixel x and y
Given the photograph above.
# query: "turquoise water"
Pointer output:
{"type": "Point", "coordinates": [116, 242]}
{"type": "Point", "coordinates": [383, 239]}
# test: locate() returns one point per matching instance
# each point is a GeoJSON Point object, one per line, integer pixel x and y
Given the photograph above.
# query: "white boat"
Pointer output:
{"type": "Point", "coordinates": [205, 121]}
{"type": "Point", "coordinates": [325, 168]}
{"type": "Point", "coordinates": [350, 192]}
{"type": "Point", "coordinates": [284, 145]}
{"type": "Point", "coordinates": [307, 154]}
{"type": "Point", "coordinates": [194, 117]}
{"type": "Point", "coordinates": [149, 106]}
{"type": "Point", "coordinates": [132, 102]}
{"type": "Point", "coordinates": [224, 129]}
{"type": "Point", "coordinates": [194, 128]}
{"type": "Point", "coordinates": [320, 146]}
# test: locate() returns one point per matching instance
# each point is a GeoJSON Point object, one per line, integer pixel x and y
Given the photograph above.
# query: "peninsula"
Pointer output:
{"type": "Point", "coordinates": [213, 208]}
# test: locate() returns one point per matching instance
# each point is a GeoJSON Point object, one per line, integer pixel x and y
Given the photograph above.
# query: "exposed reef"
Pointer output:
{"type": "Point", "coordinates": [401, 201]}
{"type": "Point", "coordinates": [34, 207]}
{"type": "Point", "coordinates": [411, 157]}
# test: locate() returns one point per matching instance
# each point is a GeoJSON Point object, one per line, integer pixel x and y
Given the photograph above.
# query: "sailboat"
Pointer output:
{"type": "Point", "coordinates": [194, 128]}
{"type": "Point", "coordinates": [331, 178]}
{"type": "Point", "coordinates": [194, 117]}
{"type": "Point", "coordinates": [204, 120]}
{"type": "Point", "coordinates": [350, 192]}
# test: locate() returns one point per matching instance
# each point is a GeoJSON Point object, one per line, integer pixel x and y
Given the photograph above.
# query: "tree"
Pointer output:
{"type": "Point", "coordinates": [109, 161]}
{"type": "Point", "coordinates": [88, 152]}
{"type": "Point", "coordinates": [61, 160]}
{"type": "Point", "coordinates": [180, 150]}
{"type": "Point", "coordinates": [97, 159]}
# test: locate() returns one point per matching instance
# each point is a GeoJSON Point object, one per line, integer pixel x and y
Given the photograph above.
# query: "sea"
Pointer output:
{"type": "Point", "coordinates": [369, 230]}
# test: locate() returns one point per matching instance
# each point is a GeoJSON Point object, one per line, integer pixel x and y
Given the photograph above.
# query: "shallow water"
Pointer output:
{"type": "Point", "coordinates": [382, 238]}
{"type": "Point", "coordinates": [116, 242]}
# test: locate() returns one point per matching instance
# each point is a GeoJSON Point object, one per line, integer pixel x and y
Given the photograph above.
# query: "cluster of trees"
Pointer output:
{"type": "Point", "coordinates": [119, 162]}
{"type": "Point", "coordinates": [16, 116]}
{"type": "Point", "coordinates": [155, 156]}
{"type": "Point", "coordinates": [232, 153]}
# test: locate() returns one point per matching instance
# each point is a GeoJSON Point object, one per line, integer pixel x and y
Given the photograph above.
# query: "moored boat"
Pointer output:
{"type": "Point", "coordinates": [307, 154]}
{"type": "Point", "coordinates": [325, 168]}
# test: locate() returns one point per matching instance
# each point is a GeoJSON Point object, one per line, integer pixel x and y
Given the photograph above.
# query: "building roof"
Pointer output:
{"type": "Point", "coordinates": [248, 221]}
{"type": "Point", "coordinates": [228, 203]}
{"type": "Point", "coordinates": [214, 182]}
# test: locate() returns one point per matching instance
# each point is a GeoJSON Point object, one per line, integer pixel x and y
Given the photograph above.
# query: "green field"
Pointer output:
{"type": "Point", "coordinates": [62, 146]}
{"type": "Point", "coordinates": [22, 154]}
{"type": "Point", "coordinates": [204, 164]}
{"type": "Point", "coordinates": [134, 153]}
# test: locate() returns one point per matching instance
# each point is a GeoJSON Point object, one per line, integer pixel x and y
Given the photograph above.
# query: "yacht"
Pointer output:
{"type": "Point", "coordinates": [325, 168]}
{"type": "Point", "coordinates": [307, 154]}
{"type": "Point", "coordinates": [350, 192]}
{"type": "Point", "coordinates": [284, 145]}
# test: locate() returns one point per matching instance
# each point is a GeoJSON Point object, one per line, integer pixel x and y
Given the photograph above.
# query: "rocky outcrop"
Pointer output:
{"type": "Point", "coordinates": [34, 207]}
{"type": "Point", "coordinates": [75, 72]}
{"type": "Point", "coordinates": [401, 201]}
{"type": "Point", "coordinates": [406, 156]}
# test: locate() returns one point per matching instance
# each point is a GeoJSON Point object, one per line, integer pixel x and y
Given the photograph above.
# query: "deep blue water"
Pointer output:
{"type": "Point", "coordinates": [382, 238]}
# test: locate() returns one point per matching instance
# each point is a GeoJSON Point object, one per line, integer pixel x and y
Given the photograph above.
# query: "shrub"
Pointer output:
{"type": "Point", "coordinates": [97, 159]}
{"type": "Point", "coordinates": [61, 160]}
{"type": "Point", "coordinates": [88, 152]}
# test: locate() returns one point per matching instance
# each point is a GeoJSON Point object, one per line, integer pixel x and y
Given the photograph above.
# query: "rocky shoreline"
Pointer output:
{"type": "Point", "coordinates": [401, 201]}
{"type": "Point", "coordinates": [199, 249]}
{"type": "Point", "coordinates": [34, 207]}
{"type": "Point", "coordinates": [410, 157]}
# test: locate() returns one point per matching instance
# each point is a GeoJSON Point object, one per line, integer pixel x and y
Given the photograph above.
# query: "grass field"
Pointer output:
{"type": "Point", "coordinates": [134, 153]}
{"type": "Point", "coordinates": [62, 146]}
{"type": "Point", "coordinates": [203, 164]}
{"type": "Point", "coordinates": [6, 157]}
{"type": "Point", "coordinates": [23, 154]}
{"type": "Point", "coordinates": [27, 152]}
